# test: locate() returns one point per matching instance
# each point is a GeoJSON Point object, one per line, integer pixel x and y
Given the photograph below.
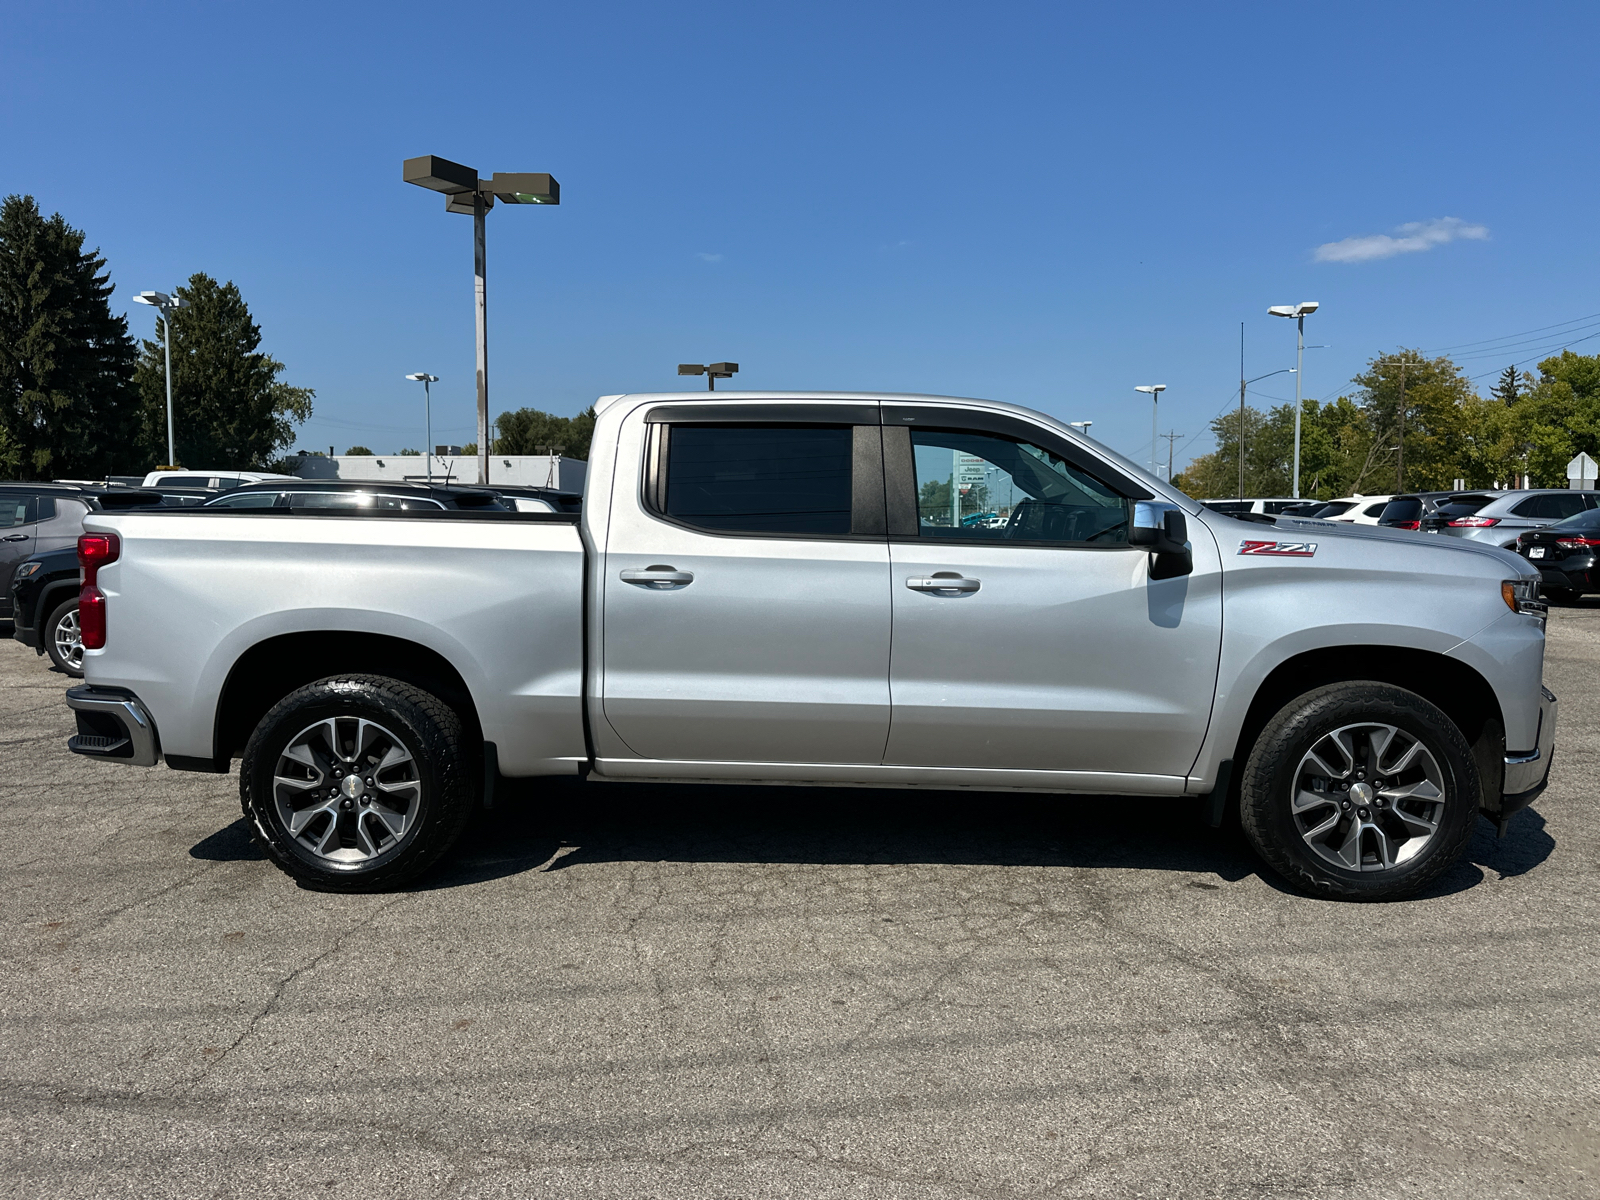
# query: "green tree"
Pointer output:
{"type": "Point", "coordinates": [67, 404]}
{"type": "Point", "coordinates": [1436, 396]}
{"type": "Point", "coordinates": [529, 431]}
{"type": "Point", "coordinates": [409, 453]}
{"type": "Point", "coordinates": [358, 450]}
{"type": "Point", "coordinates": [229, 407]}
{"type": "Point", "coordinates": [1508, 390]}
{"type": "Point", "coordinates": [1558, 416]}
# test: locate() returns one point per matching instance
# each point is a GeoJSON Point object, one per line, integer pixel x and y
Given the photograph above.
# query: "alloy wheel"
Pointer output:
{"type": "Point", "coordinates": [68, 639]}
{"type": "Point", "coordinates": [347, 790]}
{"type": "Point", "coordinates": [1368, 797]}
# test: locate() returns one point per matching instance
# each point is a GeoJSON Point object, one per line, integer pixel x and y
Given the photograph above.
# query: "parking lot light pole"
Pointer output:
{"type": "Point", "coordinates": [425, 379]}
{"type": "Point", "coordinates": [1299, 312]}
{"type": "Point", "coordinates": [164, 304]}
{"type": "Point", "coordinates": [712, 372]}
{"type": "Point", "coordinates": [1155, 390]}
{"type": "Point", "coordinates": [464, 192]}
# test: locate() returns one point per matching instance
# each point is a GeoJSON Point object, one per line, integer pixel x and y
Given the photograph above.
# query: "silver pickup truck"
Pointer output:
{"type": "Point", "coordinates": [878, 590]}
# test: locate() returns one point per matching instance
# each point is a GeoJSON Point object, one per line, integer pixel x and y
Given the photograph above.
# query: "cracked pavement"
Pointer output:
{"type": "Point", "coordinates": [642, 991]}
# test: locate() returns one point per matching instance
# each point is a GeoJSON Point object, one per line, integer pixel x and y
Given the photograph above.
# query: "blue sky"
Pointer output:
{"type": "Point", "coordinates": [1043, 203]}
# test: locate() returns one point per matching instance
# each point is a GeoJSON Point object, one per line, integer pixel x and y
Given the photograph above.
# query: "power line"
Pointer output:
{"type": "Point", "coordinates": [1524, 333]}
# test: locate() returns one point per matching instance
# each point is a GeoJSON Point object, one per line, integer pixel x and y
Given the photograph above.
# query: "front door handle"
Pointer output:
{"type": "Point", "coordinates": [15, 537]}
{"type": "Point", "coordinates": [943, 581]}
{"type": "Point", "coordinates": [658, 577]}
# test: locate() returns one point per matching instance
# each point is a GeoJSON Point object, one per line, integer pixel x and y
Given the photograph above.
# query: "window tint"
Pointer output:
{"type": "Point", "coordinates": [1227, 506]}
{"type": "Point", "coordinates": [1335, 508]}
{"type": "Point", "coordinates": [1402, 510]}
{"type": "Point", "coordinates": [1587, 520]}
{"type": "Point", "coordinates": [1550, 506]}
{"type": "Point", "coordinates": [1375, 510]}
{"type": "Point", "coordinates": [47, 508]}
{"type": "Point", "coordinates": [185, 481]}
{"type": "Point", "coordinates": [1274, 507]}
{"type": "Point", "coordinates": [1461, 506]}
{"type": "Point", "coordinates": [241, 500]}
{"type": "Point", "coordinates": [16, 510]}
{"type": "Point", "coordinates": [773, 479]}
{"type": "Point", "coordinates": [982, 487]}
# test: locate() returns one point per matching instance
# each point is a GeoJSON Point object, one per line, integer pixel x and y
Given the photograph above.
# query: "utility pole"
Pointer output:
{"type": "Point", "coordinates": [1171, 438]}
{"type": "Point", "coordinates": [1400, 462]}
{"type": "Point", "coordinates": [1241, 410]}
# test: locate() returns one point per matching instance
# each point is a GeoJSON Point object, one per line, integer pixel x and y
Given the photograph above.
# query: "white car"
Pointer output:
{"type": "Point", "coordinates": [1361, 510]}
{"type": "Point", "coordinates": [222, 478]}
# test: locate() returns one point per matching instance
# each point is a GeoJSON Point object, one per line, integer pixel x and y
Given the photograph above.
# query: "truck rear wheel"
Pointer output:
{"type": "Point", "coordinates": [357, 783]}
{"type": "Point", "coordinates": [1360, 791]}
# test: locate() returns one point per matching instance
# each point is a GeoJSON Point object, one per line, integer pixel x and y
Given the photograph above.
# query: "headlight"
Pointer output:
{"type": "Point", "coordinates": [1522, 596]}
{"type": "Point", "coordinates": [27, 569]}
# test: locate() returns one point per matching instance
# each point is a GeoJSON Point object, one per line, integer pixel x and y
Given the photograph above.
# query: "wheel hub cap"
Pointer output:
{"type": "Point", "coordinates": [1359, 825]}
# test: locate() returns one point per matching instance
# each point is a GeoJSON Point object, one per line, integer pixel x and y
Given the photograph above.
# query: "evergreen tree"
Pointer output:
{"type": "Point", "coordinates": [229, 407]}
{"type": "Point", "coordinates": [67, 405]}
{"type": "Point", "coordinates": [1507, 391]}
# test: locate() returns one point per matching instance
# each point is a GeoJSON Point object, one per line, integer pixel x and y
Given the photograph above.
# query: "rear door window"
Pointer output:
{"type": "Point", "coordinates": [760, 479]}
{"type": "Point", "coordinates": [1375, 510]}
{"type": "Point", "coordinates": [245, 500]}
{"type": "Point", "coordinates": [1550, 506]}
{"type": "Point", "coordinates": [1402, 510]}
{"type": "Point", "coordinates": [373, 501]}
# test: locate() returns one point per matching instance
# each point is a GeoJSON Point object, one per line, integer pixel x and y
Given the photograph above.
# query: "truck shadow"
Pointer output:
{"type": "Point", "coordinates": [559, 825]}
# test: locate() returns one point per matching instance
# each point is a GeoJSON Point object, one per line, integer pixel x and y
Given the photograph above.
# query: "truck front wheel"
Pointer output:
{"type": "Point", "coordinates": [356, 783]}
{"type": "Point", "coordinates": [1360, 791]}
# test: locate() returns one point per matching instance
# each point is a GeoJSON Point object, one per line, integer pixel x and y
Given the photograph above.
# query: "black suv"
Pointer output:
{"type": "Point", "coordinates": [39, 525]}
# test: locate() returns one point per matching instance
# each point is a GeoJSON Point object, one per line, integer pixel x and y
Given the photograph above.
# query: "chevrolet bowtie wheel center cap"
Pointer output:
{"type": "Point", "coordinates": [352, 786]}
{"type": "Point", "coordinates": [1361, 793]}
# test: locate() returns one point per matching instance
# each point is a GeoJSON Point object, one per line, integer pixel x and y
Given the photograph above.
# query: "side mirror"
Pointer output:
{"type": "Point", "coordinates": [1164, 531]}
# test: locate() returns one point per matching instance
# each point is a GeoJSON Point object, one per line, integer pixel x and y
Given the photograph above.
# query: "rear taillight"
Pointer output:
{"type": "Point", "coordinates": [1474, 522]}
{"type": "Point", "coordinates": [95, 550]}
{"type": "Point", "coordinates": [1408, 524]}
{"type": "Point", "coordinates": [1577, 543]}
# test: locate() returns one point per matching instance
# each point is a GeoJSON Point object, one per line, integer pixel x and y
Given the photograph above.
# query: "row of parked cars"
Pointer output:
{"type": "Point", "coordinates": [40, 524]}
{"type": "Point", "coordinates": [1557, 529]}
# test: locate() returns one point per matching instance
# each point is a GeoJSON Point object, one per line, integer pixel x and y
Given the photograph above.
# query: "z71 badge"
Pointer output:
{"type": "Point", "coordinates": [1279, 549]}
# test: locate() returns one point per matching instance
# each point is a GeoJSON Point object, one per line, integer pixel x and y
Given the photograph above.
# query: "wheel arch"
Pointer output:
{"type": "Point", "coordinates": [1458, 690]}
{"type": "Point", "coordinates": [271, 669]}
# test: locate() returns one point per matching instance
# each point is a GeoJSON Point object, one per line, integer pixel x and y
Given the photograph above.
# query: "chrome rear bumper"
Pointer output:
{"type": "Point", "coordinates": [112, 725]}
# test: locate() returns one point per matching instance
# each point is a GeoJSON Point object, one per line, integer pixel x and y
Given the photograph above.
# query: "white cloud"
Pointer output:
{"type": "Point", "coordinates": [709, 257]}
{"type": "Point", "coordinates": [1406, 239]}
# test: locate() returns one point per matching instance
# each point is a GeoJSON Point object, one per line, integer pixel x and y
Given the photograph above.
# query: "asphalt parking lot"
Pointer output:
{"type": "Point", "coordinates": [679, 992]}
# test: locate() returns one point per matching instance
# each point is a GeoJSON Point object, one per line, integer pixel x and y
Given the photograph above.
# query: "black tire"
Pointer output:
{"type": "Point", "coordinates": [1272, 776]}
{"type": "Point", "coordinates": [63, 621]}
{"type": "Point", "coordinates": [438, 775]}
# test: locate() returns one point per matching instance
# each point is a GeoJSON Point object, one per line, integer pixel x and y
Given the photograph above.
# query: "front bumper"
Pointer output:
{"type": "Point", "coordinates": [1528, 772]}
{"type": "Point", "coordinates": [112, 725]}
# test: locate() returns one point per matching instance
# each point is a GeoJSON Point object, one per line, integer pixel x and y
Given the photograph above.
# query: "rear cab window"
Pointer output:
{"type": "Point", "coordinates": [776, 480]}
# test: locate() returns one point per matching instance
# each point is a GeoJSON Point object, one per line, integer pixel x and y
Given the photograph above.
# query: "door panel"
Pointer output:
{"type": "Point", "coordinates": [18, 527]}
{"type": "Point", "coordinates": [738, 642]}
{"type": "Point", "coordinates": [1027, 633]}
{"type": "Point", "coordinates": [1061, 660]}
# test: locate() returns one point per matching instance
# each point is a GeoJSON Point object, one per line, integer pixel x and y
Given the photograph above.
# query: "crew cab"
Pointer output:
{"type": "Point", "coordinates": [782, 588]}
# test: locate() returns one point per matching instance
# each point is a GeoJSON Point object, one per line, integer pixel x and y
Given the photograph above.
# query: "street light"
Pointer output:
{"type": "Point", "coordinates": [1244, 383]}
{"type": "Point", "coordinates": [425, 379]}
{"type": "Point", "coordinates": [712, 372]}
{"type": "Point", "coordinates": [1155, 390]}
{"type": "Point", "coordinates": [165, 304]}
{"type": "Point", "coordinates": [1299, 312]}
{"type": "Point", "coordinates": [464, 192]}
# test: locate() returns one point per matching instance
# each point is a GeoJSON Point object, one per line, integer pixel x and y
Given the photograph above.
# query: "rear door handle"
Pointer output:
{"type": "Point", "coordinates": [15, 537]}
{"type": "Point", "coordinates": [658, 577]}
{"type": "Point", "coordinates": [943, 581]}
